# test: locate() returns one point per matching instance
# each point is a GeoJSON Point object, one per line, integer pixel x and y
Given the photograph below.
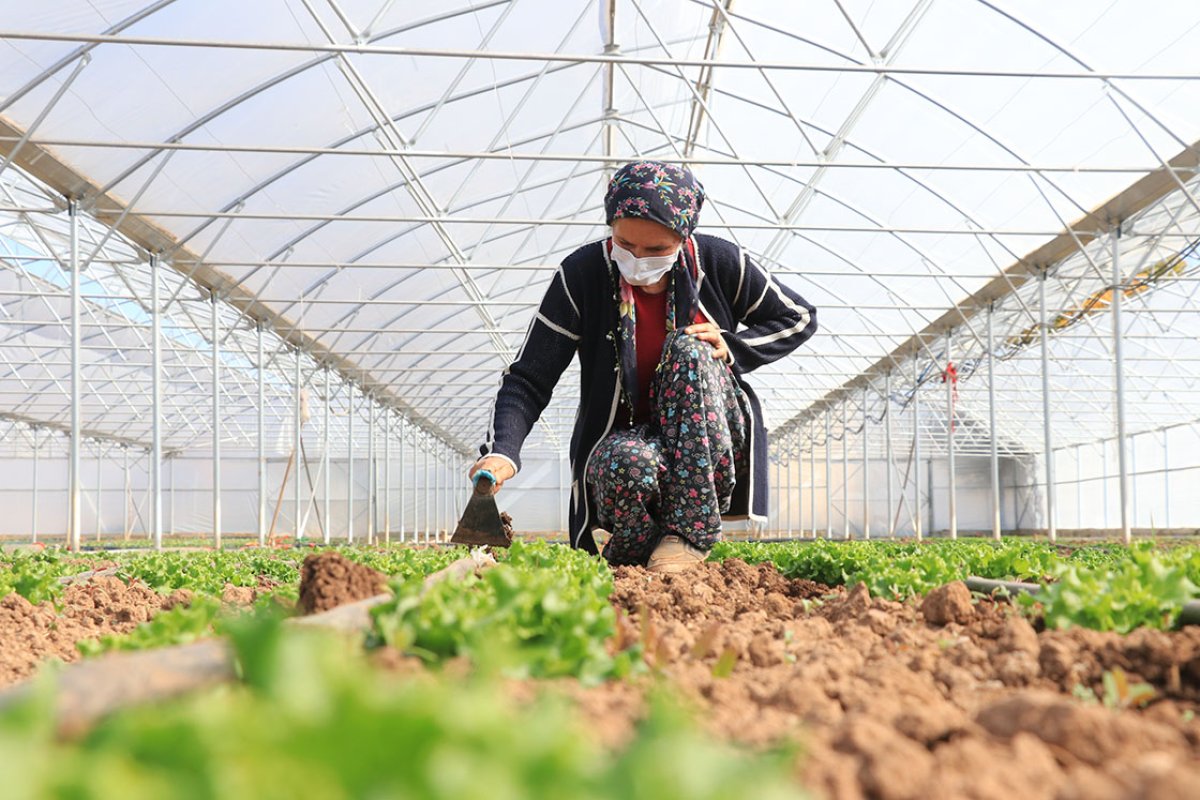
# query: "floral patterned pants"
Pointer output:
{"type": "Point", "coordinates": [674, 475]}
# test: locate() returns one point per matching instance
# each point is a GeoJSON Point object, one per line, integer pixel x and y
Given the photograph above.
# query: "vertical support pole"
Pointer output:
{"type": "Point", "coordinates": [795, 488]}
{"type": "Point", "coordinates": [774, 522]}
{"type": "Point", "coordinates": [845, 469]}
{"type": "Point", "coordinates": [216, 421]}
{"type": "Point", "coordinates": [326, 458]}
{"type": "Point", "coordinates": [812, 474]}
{"type": "Point", "coordinates": [1119, 366]}
{"type": "Point", "coordinates": [950, 425]}
{"type": "Point", "coordinates": [416, 486]}
{"type": "Point", "coordinates": [783, 495]}
{"type": "Point", "coordinates": [99, 492]}
{"type": "Point", "coordinates": [1133, 476]}
{"type": "Point", "coordinates": [400, 468]}
{"type": "Point", "coordinates": [782, 504]}
{"type": "Point", "coordinates": [431, 511]}
{"type": "Point", "coordinates": [297, 455]}
{"type": "Point", "coordinates": [126, 522]}
{"type": "Point", "coordinates": [387, 476]}
{"type": "Point", "coordinates": [426, 485]}
{"type": "Point", "coordinates": [1078, 487]}
{"type": "Point", "coordinates": [916, 446]}
{"type": "Point", "coordinates": [1047, 439]}
{"type": "Point", "coordinates": [156, 454]}
{"type": "Point", "coordinates": [866, 470]}
{"type": "Point", "coordinates": [439, 463]}
{"type": "Point", "coordinates": [75, 519]}
{"type": "Point", "coordinates": [170, 460]}
{"type": "Point", "coordinates": [1104, 480]}
{"type": "Point", "coordinates": [445, 490]}
{"type": "Point", "coordinates": [33, 522]}
{"type": "Point", "coordinates": [828, 473]}
{"type": "Point", "coordinates": [261, 412]}
{"type": "Point", "coordinates": [1166, 480]}
{"type": "Point", "coordinates": [889, 452]}
{"type": "Point", "coordinates": [350, 463]}
{"type": "Point", "coordinates": [372, 500]}
{"type": "Point", "coordinates": [994, 447]}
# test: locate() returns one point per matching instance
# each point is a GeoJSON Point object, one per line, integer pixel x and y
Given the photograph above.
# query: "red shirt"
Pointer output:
{"type": "Point", "coordinates": [650, 333]}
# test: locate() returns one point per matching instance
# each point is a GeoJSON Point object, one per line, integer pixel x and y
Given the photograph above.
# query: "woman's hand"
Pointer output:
{"type": "Point", "coordinates": [499, 467]}
{"type": "Point", "coordinates": [707, 332]}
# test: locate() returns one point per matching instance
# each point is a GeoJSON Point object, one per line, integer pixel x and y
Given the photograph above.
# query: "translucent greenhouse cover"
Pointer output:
{"type": "Point", "coordinates": [393, 183]}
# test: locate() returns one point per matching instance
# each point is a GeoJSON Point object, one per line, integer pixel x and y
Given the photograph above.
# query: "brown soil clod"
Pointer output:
{"type": "Point", "coordinates": [949, 603]}
{"type": "Point", "coordinates": [328, 580]}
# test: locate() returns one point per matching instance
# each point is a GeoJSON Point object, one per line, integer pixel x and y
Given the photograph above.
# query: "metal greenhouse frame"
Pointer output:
{"type": "Point", "coordinates": [261, 268]}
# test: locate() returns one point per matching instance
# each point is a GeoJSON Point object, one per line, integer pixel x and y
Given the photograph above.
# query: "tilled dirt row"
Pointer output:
{"type": "Point", "coordinates": [887, 704]}
{"type": "Point", "coordinates": [97, 605]}
{"type": "Point", "coordinates": [32, 634]}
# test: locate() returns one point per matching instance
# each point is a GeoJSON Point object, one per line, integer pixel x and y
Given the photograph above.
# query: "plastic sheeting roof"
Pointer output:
{"type": "Point", "coordinates": [390, 184]}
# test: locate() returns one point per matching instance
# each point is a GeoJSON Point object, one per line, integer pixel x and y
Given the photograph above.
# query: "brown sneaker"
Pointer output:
{"type": "Point", "coordinates": [673, 554]}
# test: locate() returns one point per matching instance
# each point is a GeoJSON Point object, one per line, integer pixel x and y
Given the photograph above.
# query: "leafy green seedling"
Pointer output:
{"type": "Point", "coordinates": [725, 663]}
{"type": "Point", "coordinates": [1084, 695]}
{"type": "Point", "coordinates": [1120, 694]}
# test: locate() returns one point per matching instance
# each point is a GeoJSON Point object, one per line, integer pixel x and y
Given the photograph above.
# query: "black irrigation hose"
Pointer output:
{"type": "Point", "coordinates": [1188, 615]}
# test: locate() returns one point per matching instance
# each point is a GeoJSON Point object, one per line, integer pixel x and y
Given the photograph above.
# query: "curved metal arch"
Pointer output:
{"type": "Point", "coordinates": [320, 60]}
{"type": "Point", "coordinates": [902, 238]}
{"type": "Point", "coordinates": [928, 97]}
{"type": "Point", "coordinates": [449, 315]}
{"type": "Point", "coordinates": [80, 52]}
{"type": "Point", "coordinates": [387, 190]}
{"type": "Point", "coordinates": [387, 361]}
{"type": "Point", "coordinates": [321, 280]}
{"type": "Point", "coordinates": [398, 317]}
{"type": "Point", "coordinates": [920, 183]}
{"type": "Point", "coordinates": [1012, 17]}
{"type": "Point", "coordinates": [995, 140]}
{"type": "Point", "coordinates": [1119, 90]}
{"type": "Point", "coordinates": [288, 169]}
{"type": "Point", "coordinates": [823, 192]}
{"type": "Point", "coordinates": [258, 89]}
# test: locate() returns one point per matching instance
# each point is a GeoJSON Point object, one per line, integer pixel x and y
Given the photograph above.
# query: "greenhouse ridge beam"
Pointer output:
{"type": "Point", "coordinates": [575, 158]}
{"type": "Point", "coordinates": [1099, 222]}
{"type": "Point", "coordinates": [585, 58]}
{"type": "Point", "coordinates": [570, 223]}
{"type": "Point", "coordinates": [145, 234]}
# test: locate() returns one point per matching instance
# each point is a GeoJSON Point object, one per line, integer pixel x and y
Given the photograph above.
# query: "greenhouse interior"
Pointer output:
{"type": "Point", "coordinates": [268, 270]}
{"type": "Point", "coordinates": [324, 232]}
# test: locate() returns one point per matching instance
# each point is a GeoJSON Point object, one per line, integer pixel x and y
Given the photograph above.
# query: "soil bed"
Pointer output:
{"type": "Point", "coordinates": [889, 704]}
{"type": "Point", "coordinates": [31, 634]}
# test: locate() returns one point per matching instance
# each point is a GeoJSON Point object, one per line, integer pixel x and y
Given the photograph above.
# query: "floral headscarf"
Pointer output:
{"type": "Point", "coordinates": [671, 196]}
{"type": "Point", "coordinates": [668, 194]}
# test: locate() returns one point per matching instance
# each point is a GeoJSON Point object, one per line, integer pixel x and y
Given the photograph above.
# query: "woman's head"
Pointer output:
{"type": "Point", "coordinates": [651, 191]}
{"type": "Point", "coordinates": [644, 238]}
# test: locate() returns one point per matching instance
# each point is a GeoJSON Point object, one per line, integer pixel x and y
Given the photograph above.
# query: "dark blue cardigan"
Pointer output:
{"type": "Point", "coordinates": [578, 315]}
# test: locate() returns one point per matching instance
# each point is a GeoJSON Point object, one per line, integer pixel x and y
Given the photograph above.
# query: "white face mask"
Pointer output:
{"type": "Point", "coordinates": [642, 271]}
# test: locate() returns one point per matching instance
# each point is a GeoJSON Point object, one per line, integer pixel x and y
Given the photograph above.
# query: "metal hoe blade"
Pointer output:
{"type": "Point", "coordinates": [481, 523]}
